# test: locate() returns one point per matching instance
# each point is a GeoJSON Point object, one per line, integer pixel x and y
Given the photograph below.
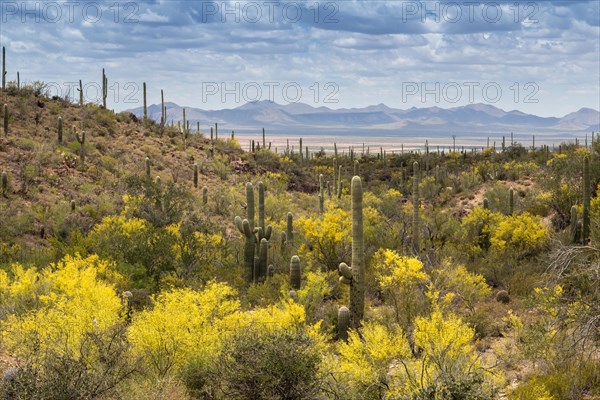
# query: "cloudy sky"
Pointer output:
{"type": "Point", "coordinates": [541, 57]}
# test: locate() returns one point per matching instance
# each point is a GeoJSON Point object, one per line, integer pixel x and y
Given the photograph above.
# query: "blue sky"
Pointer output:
{"type": "Point", "coordinates": [541, 57]}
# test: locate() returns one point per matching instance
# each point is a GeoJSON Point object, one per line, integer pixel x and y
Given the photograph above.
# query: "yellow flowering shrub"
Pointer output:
{"type": "Point", "coordinates": [402, 280]}
{"type": "Point", "coordinates": [75, 300]}
{"type": "Point", "coordinates": [524, 233]}
{"type": "Point", "coordinates": [477, 229]}
{"type": "Point", "coordinates": [465, 288]}
{"type": "Point", "coordinates": [329, 237]}
{"type": "Point", "coordinates": [183, 323]}
{"type": "Point", "coordinates": [363, 364]}
{"type": "Point", "coordinates": [447, 345]}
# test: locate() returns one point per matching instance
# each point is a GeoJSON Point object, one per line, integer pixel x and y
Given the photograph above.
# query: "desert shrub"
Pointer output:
{"type": "Point", "coordinates": [316, 287]}
{"type": "Point", "coordinates": [524, 234]}
{"type": "Point", "coordinates": [461, 287]}
{"type": "Point", "coordinates": [328, 237]}
{"type": "Point", "coordinates": [402, 282]}
{"type": "Point", "coordinates": [199, 255]}
{"type": "Point", "coordinates": [362, 367]}
{"type": "Point", "coordinates": [477, 229]}
{"type": "Point", "coordinates": [141, 250]}
{"type": "Point", "coordinates": [99, 367]}
{"type": "Point", "coordinates": [429, 188]}
{"type": "Point", "coordinates": [220, 167]}
{"type": "Point", "coordinates": [498, 198]}
{"type": "Point", "coordinates": [272, 364]}
{"type": "Point", "coordinates": [161, 204]}
{"type": "Point", "coordinates": [181, 325]}
{"type": "Point", "coordinates": [532, 389]}
{"type": "Point", "coordinates": [70, 344]}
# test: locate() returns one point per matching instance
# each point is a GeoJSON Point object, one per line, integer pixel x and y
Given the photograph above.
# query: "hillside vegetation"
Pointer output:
{"type": "Point", "coordinates": [140, 260]}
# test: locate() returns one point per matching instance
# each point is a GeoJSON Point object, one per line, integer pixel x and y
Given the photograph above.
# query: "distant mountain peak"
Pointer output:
{"type": "Point", "coordinates": [294, 118]}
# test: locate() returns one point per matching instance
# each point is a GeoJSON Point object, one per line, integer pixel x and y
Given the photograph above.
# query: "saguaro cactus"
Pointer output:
{"type": "Point", "coordinates": [416, 221]}
{"type": "Point", "coordinates": [575, 226]}
{"type": "Point", "coordinates": [354, 276]}
{"type": "Point", "coordinates": [511, 201]}
{"type": "Point", "coordinates": [5, 108]}
{"type": "Point", "coordinates": [356, 168]}
{"type": "Point", "coordinates": [163, 110]}
{"type": "Point", "coordinates": [147, 165]}
{"type": "Point", "coordinates": [486, 204]}
{"type": "Point", "coordinates": [80, 90]}
{"type": "Point", "coordinates": [3, 68]}
{"type": "Point", "coordinates": [204, 195]}
{"type": "Point", "coordinates": [585, 233]}
{"type": "Point", "coordinates": [263, 231]}
{"type": "Point", "coordinates": [335, 169]}
{"type": "Point", "coordinates": [339, 189]}
{"type": "Point", "coordinates": [145, 103]}
{"type": "Point", "coordinates": [60, 130]}
{"type": "Point", "coordinates": [104, 88]}
{"type": "Point", "coordinates": [290, 227]}
{"type": "Point", "coordinates": [343, 323]}
{"type": "Point", "coordinates": [196, 175]}
{"type": "Point", "coordinates": [81, 140]}
{"type": "Point", "coordinates": [295, 273]}
{"type": "Point", "coordinates": [4, 183]}
{"type": "Point", "coordinates": [321, 195]}
{"type": "Point", "coordinates": [254, 235]}
{"type": "Point", "coordinates": [249, 246]}
{"type": "Point", "coordinates": [262, 259]}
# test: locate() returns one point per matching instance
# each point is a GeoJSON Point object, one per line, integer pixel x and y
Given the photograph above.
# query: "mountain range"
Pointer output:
{"type": "Point", "coordinates": [294, 118]}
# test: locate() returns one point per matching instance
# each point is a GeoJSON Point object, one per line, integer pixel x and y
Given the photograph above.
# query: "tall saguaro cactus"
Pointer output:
{"type": "Point", "coordinates": [145, 104]}
{"type": "Point", "coordinates": [354, 276]}
{"type": "Point", "coordinates": [416, 221]}
{"type": "Point", "coordinates": [3, 68]}
{"type": "Point", "coordinates": [335, 174]}
{"type": "Point", "coordinates": [104, 88]}
{"type": "Point", "coordinates": [254, 236]}
{"type": "Point", "coordinates": [5, 108]}
{"type": "Point", "coordinates": [263, 249]}
{"type": "Point", "coordinates": [575, 225]}
{"type": "Point", "coordinates": [295, 273]}
{"type": "Point", "coordinates": [321, 195]}
{"type": "Point", "coordinates": [339, 188]}
{"type": "Point", "coordinates": [196, 176]}
{"type": "Point", "coordinates": [585, 232]}
{"type": "Point", "coordinates": [80, 93]}
{"type": "Point", "coordinates": [289, 234]}
{"type": "Point", "coordinates": [263, 231]}
{"type": "Point", "coordinates": [60, 130]}
{"type": "Point", "coordinates": [511, 201]}
{"type": "Point", "coordinates": [246, 228]}
{"type": "Point", "coordinates": [81, 140]}
{"type": "Point", "coordinates": [163, 110]}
